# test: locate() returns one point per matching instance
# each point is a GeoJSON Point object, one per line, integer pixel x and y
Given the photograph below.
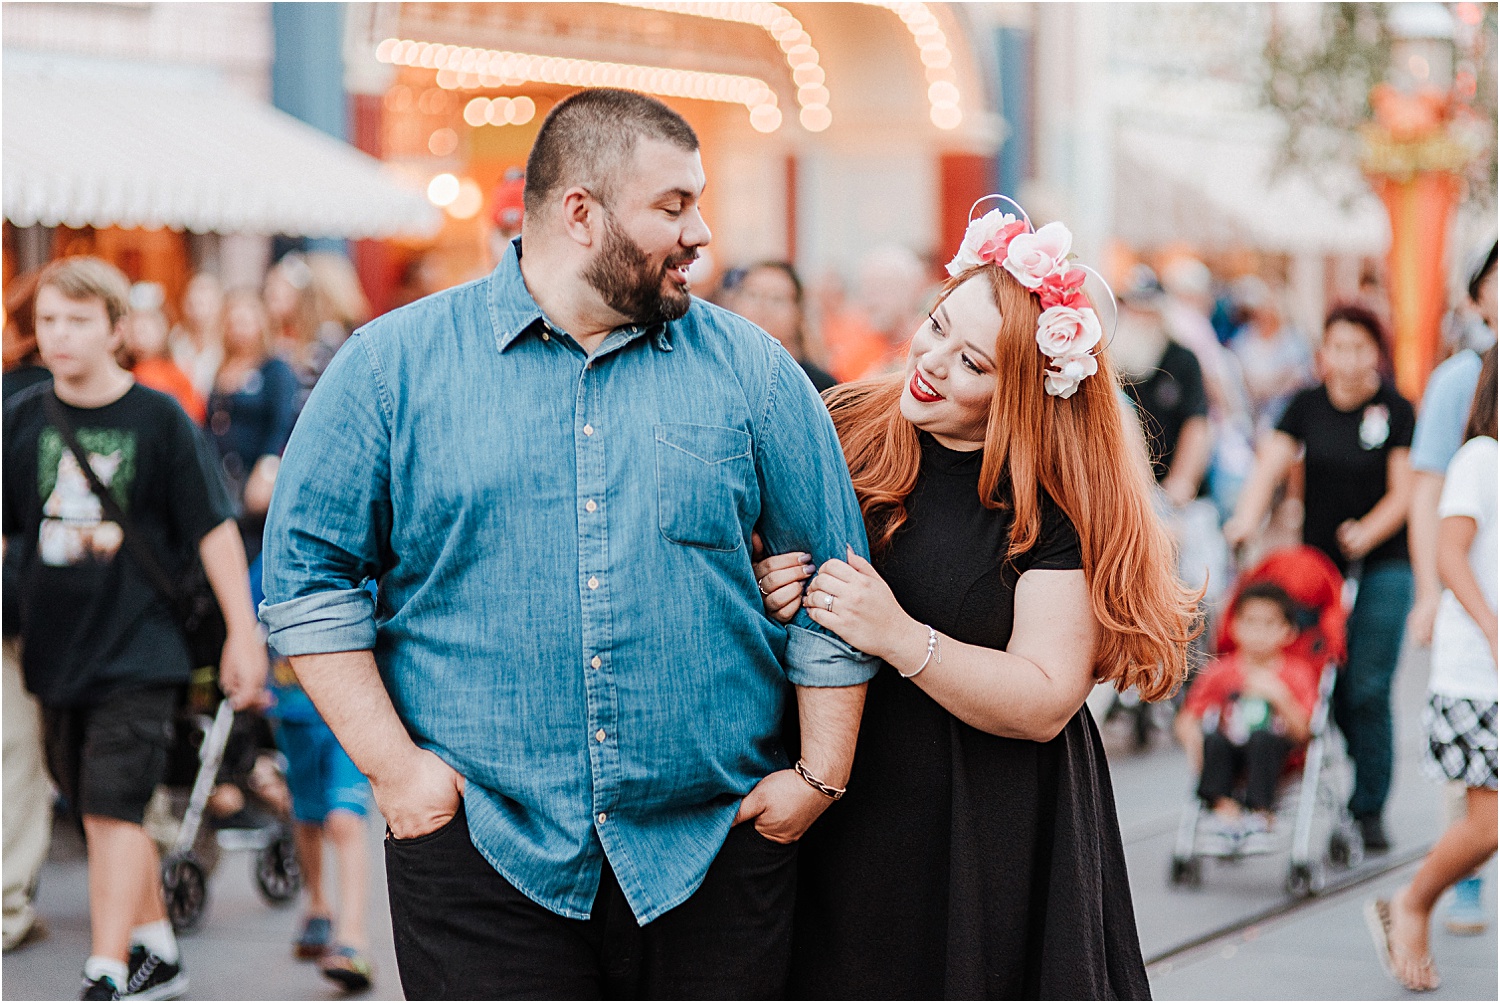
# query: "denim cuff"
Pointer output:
{"type": "Point", "coordinates": [342, 620]}
{"type": "Point", "coordinates": [814, 658]}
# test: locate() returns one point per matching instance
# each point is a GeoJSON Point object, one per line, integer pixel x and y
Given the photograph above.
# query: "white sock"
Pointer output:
{"type": "Point", "coordinates": [157, 938]}
{"type": "Point", "coordinates": [97, 968]}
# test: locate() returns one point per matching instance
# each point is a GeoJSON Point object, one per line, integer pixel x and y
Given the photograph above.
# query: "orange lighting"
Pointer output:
{"type": "Point", "coordinates": [464, 67]}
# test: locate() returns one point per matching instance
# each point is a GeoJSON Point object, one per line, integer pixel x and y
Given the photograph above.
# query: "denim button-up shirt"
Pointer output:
{"type": "Point", "coordinates": [567, 613]}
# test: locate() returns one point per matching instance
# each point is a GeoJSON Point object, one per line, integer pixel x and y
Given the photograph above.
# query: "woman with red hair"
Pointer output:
{"type": "Point", "coordinates": [1017, 563]}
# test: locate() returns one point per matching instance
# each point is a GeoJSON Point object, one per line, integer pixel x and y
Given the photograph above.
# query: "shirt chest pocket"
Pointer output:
{"type": "Point", "coordinates": [704, 477]}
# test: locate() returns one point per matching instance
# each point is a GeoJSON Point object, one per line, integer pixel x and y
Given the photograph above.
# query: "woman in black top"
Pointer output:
{"type": "Point", "coordinates": [1354, 431]}
{"type": "Point", "coordinates": [977, 853]}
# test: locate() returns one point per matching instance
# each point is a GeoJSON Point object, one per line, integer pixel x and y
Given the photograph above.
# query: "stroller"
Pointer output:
{"type": "Point", "coordinates": [1318, 780]}
{"type": "Point", "coordinates": [191, 850]}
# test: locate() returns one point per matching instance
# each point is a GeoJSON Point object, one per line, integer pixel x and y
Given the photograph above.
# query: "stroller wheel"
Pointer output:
{"type": "Point", "coordinates": [277, 873]}
{"type": "Point", "coordinates": [1299, 880]}
{"type": "Point", "coordinates": [186, 888]}
{"type": "Point", "coordinates": [1187, 871]}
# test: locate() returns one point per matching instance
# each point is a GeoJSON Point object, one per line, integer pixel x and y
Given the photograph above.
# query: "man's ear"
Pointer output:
{"type": "Point", "coordinates": [580, 214]}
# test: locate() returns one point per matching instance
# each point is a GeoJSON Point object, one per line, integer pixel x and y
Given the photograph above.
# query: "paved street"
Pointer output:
{"type": "Point", "coordinates": [1317, 951]}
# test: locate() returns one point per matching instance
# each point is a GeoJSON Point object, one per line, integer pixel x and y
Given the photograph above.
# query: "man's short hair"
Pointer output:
{"type": "Point", "coordinates": [85, 278]}
{"type": "Point", "coordinates": [589, 136]}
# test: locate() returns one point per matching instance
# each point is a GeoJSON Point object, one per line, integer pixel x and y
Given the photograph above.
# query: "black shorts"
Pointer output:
{"type": "Point", "coordinates": [107, 759]}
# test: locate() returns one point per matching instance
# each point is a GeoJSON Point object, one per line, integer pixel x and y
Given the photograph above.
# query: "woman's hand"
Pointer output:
{"type": "Point", "coordinates": [780, 579]}
{"type": "Point", "coordinates": [852, 600]}
{"type": "Point", "coordinates": [1356, 539]}
{"type": "Point", "coordinates": [1238, 530]}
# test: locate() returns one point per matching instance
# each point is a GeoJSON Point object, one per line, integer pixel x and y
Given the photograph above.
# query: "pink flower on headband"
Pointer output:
{"type": "Point", "coordinates": [1063, 288]}
{"type": "Point", "coordinates": [1032, 257]}
{"type": "Point", "coordinates": [986, 240]}
{"type": "Point", "coordinates": [1062, 331]}
{"type": "Point", "coordinates": [1064, 375]}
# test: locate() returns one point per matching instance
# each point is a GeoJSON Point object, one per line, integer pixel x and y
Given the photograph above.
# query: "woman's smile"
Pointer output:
{"type": "Point", "coordinates": [922, 390]}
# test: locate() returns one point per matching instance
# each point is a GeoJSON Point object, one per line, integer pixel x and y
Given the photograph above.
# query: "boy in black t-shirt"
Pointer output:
{"type": "Point", "coordinates": [102, 649]}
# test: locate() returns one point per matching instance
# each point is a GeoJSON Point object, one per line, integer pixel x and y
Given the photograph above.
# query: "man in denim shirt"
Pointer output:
{"type": "Point", "coordinates": [568, 693]}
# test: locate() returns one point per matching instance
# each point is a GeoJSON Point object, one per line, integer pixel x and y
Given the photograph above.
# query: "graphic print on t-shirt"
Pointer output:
{"type": "Point", "coordinates": [73, 530]}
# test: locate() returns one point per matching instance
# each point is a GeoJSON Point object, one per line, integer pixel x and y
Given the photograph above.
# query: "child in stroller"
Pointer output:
{"type": "Point", "coordinates": [1315, 587]}
{"type": "Point", "coordinates": [1245, 715]}
{"type": "Point", "coordinates": [224, 791]}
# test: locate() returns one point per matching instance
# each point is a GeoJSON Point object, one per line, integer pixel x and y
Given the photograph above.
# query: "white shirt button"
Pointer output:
{"type": "Point", "coordinates": [593, 583]}
{"type": "Point", "coordinates": [588, 430]}
{"type": "Point", "coordinates": [597, 661]}
{"type": "Point", "coordinates": [546, 336]}
{"type": "Point", "coordinates": [603, 818]}
{"type": "Point", "coordinates": [599, 735]}
{"type": "Point", "coordinates": [590, 505]}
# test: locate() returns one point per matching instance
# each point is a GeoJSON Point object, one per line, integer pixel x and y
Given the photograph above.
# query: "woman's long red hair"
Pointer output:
{"type": "Point", "coordinates": [1080, 452]}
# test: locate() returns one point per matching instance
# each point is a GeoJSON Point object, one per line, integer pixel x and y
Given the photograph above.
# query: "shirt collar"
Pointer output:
{"type": "Point", "coordinates": [514, 311]}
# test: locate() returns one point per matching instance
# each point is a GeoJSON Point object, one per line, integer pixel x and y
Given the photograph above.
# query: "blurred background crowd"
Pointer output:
{"type": "Point", "coordinates": [270, 176]}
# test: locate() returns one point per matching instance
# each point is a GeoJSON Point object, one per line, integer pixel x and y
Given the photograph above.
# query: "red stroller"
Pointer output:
{"type": "Point", "coordinates": [1316, 586]}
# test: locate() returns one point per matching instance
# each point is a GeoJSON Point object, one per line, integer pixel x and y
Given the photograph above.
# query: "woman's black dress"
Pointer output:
{"type": "Point", "coordinates": [961, 864]}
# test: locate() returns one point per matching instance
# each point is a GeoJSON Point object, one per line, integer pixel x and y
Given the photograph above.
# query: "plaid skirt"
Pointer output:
{"type": "Point", "coordinates": [1461, 742]}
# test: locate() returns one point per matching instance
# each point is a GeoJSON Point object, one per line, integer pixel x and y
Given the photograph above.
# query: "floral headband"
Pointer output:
{"type": "Point", "coordinates": [1068, 330]}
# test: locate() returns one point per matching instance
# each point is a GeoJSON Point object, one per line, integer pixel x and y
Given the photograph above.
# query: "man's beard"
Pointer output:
{"type": "Point", "coordinates": [622, 274]}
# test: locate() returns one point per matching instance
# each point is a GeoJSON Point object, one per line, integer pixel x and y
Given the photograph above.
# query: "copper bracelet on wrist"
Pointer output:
{"type": "Point", "coordinates": [827, 790]}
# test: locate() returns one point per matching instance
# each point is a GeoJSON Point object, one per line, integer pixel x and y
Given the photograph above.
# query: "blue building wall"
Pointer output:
{"type": "Point", "coordinates": [307, 80]}
{"type": "Point", "coordinates": [1014, 54]}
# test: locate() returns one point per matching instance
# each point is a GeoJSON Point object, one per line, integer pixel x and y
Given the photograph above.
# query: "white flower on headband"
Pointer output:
{"type": "Point", "coordinates": [1068, 328]}
{"type": "Point", "coordinates": [1067, 331]}
{"type": "Point", "coordinates": [1032, 257]}
{"type": "Point", "coordinates": [1065, 373]}
{"type": "Point", "coordinates": [986, 240]}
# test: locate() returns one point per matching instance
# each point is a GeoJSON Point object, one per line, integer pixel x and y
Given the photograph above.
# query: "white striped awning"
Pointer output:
{"type": "Point", "coordinates": [91, 151]}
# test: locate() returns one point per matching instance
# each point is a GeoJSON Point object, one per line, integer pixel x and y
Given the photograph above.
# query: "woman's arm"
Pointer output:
{"type": "Point", "coordinates": [1358, 537]}
{"type": "Point", "coordinates": [1455, 536]}
{"type": "Point", "coordinates": [1277, 452]}
{"type": "Point", "coordinates": [1421, 540]}
{"type": "Point", "coordinates": [1190, 462]}
{"type": "Point", "coordinates": [1031, 690]}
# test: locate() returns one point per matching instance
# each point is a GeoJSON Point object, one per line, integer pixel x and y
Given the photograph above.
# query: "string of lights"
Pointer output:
{"type": "Point", "coordinates": [460, 67]}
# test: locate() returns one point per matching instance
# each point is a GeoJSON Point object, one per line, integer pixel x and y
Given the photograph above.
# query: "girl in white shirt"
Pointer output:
{"type": "Point", "coordinates": [1462, 691]}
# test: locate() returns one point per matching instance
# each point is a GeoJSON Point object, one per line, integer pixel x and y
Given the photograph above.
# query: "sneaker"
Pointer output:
{"type": "Point", "coordinates": [102, 988]}
{"type": "Point", "coordinates": [317, 935]}
{"type": "Point", "coordinates": [1219, 836]}
{"type": "Point", "coordinates": [348, 967]}
{"type": "Point", "coordinates": [1372, 834]}
{"type": "Point", "coordinates": [153, 978]}
{"type": "Point", "coordinates": [1465, 914]}
{"type": "Point", "coordinates": [1257, 838]}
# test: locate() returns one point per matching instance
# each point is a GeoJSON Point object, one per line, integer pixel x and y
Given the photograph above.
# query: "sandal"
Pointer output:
{"type": "Point", "coordinates": [316, 935]}
{"type": "Point", "coordinates": [348, 967]}
{"type": "Point", "coordinates": [1378, 920]}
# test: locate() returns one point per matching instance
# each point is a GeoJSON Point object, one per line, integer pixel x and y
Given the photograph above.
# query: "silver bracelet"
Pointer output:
{"type": "Point", "coordinates": [932, 649]}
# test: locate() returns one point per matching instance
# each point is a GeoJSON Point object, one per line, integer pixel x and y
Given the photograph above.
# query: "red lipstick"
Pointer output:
{"type": "Point", "coordinates": [920, 389]}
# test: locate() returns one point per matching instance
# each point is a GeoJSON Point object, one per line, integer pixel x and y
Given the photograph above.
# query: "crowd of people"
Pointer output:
{"type": "Point", "coordinates": [953, 546]}
{"type": "Point", "coordinates": [94, 366]}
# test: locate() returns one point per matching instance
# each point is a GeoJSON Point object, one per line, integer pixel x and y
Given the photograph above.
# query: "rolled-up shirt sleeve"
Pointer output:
{"type": "Point", "coordinates": [330, 518]}
{"type": "Point", "coordinates": [808, 504]}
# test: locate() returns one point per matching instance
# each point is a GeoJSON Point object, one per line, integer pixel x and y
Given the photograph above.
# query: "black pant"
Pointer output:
{"type": "Point", "coordinates": [1259, 761]}
{"type": "Point", "coordinates": [463, 932]}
